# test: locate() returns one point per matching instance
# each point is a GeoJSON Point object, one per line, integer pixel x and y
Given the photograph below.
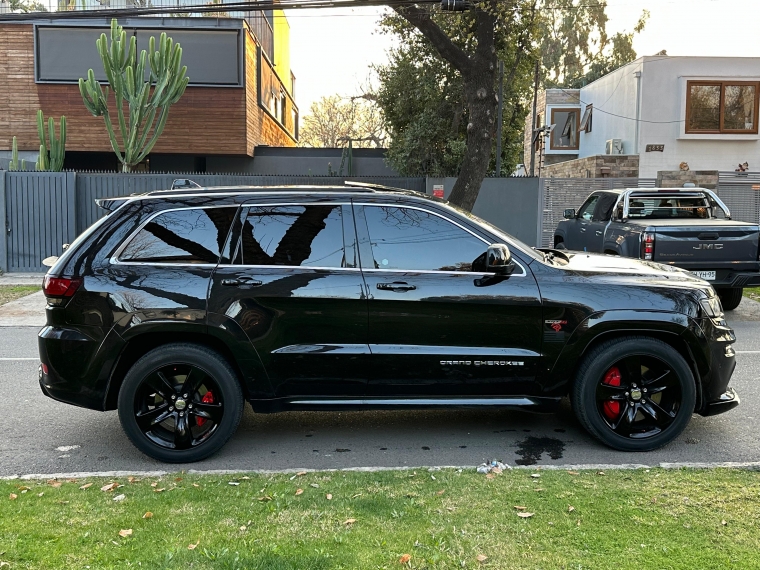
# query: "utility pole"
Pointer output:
{"type": "Point", "coordinates": [533, 122]}
{"type": "Point", "coordinates": [500, 127]}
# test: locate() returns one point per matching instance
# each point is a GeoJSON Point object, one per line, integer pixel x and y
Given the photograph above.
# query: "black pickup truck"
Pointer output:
{"type": "Point", "coordinates": [690, 228]}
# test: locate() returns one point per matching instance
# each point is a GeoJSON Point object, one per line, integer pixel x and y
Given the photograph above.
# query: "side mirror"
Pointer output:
{"type": "Point", "coordinates": [499, 259]}
{"type": "Point", "coordinates": [569, 213]}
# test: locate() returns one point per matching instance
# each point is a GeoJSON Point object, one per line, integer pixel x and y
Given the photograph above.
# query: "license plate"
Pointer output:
{"type": "Point", "coordinates": [706, 275]}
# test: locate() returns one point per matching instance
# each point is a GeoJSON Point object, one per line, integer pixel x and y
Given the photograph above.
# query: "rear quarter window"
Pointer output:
{"type": "Point", "coordinates": [192, 236]}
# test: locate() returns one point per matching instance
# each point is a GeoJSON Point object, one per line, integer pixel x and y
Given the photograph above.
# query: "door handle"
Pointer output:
{"type": "Point", "coordinates": [396, 286]}
{"type": "Point", "coordinates": [241, 282]}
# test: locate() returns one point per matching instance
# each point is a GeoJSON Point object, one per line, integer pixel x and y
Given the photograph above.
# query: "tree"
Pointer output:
{"type": "Point", "coordinates": [463, 89]}
{"type": "Point", "coordinates": [148, 101]}
{"type": "Point", "coordinates": [334, 120]}
{"type": "Point", "coordinates": [26, 6]}
{"type": "Point", "coordinates": [574, 45]}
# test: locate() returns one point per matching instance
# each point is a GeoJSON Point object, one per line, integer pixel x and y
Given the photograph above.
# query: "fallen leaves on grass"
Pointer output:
{"type": "Point", "coordinates": [119, 498]}
{"type": "Point", "coordinates": [148, 515]}
{"type": "Point", "coordinates": [481, 558]}
{"type": "Point", "coordinates": [573, 473]}
{"type": "Point", "coordinates": [124, 533]}
{"type": "Point", "coordinates": [193, 546]}
{"type": "Point", "coordinates": [161, 490]}
{"type": "Point", "coordinates": [300, 473]}
{"type": "Point", "coordinates": [13, 496]}
{"type": "Point", "coordinates": [315, 485]}
{"type": "Point", "coordinates": [524, 515]}
{"type": "Point", "coordinates": [349, 521]}
{"type": "Point", "coordinates": [109, 487]}
{"type": "Point", "coordinates": [521, 508]}
{"type": "Point", "coordinates": [329, 497]}
{"type": "Point", "coordinates": [535, 475]}
{"type": "Point", "coordinates": [441, 492]}
{"type": "Point", "coordinates": [405, 558]}
{"type": "Point", "coordinates": [234, 483]}
{"type": "Point", "coordinates": [299, 492]}
{"type": "Point", "coordinates": [54, 483]}
{"type": "Point", "coordinates": [86, 486]}
{"type": "Point", "coordinates": [570, 508]}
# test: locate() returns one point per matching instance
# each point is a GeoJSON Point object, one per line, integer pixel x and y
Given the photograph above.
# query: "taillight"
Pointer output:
{"type": "Point", "coordinates": [647, 246]}
{"type": "Point", "coordinates": [59, 289]}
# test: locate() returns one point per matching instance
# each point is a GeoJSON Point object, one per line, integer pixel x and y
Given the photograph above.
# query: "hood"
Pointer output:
{"type": "Point", "coordinates": [635, 270]}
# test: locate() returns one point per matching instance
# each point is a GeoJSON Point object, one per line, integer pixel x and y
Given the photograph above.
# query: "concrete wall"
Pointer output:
{"type": "Point", "coordinates": [598, 166]}
{"type": "Point", "coordinates": [663, 113]}
{"type": "Point", "coordinates": [615, 94]}
{"type": "Point", "coordinates": [510, 204]}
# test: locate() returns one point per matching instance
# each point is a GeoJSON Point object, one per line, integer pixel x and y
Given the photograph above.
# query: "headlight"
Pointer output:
{"type": "Point", "coordinates": [711, 306]}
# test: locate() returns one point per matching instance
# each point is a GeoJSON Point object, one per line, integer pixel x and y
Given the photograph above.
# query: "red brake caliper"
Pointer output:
{"type": "Point", "coordinates": [612, 407]}
{"type": "Point", "coordinates": [208, 398]}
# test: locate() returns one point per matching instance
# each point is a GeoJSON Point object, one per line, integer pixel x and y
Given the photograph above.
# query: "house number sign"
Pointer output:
{"type": "Point", "coordinates": [655, 148]}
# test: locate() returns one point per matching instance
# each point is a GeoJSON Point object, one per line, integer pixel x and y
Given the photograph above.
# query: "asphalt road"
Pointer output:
{"type": "Point", "coordinates": [39, 435]}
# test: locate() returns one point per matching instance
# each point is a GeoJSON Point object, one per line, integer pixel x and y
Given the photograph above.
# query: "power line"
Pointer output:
{"type": "Point", "coordinates": [211, 8]}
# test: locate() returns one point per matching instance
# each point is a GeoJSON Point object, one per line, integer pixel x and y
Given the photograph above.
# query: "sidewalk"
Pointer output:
{"type": "Point", "coordinates": [21, 279]}
{"type": "Point", "coordinates": [27, 311]}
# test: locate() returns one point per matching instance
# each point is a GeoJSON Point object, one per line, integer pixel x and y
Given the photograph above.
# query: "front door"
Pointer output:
{"type": "Point", "coordinates": [296, 290]}
{"type": "Point", "coordinates": [438, 324]}
{"type": "Point", "coordinates": [579, 232]}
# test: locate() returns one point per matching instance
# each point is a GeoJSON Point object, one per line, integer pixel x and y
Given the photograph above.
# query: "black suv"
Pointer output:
{"type": "Point", "coordinates": [179, 306]}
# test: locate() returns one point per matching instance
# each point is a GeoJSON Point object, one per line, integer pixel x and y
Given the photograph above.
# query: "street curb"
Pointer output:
{"type": "Point", "coordinates": [742, 465]}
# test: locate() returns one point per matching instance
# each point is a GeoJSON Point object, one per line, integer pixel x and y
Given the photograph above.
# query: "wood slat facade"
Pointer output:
{"type": "Point", "coordinates": [205, 121]}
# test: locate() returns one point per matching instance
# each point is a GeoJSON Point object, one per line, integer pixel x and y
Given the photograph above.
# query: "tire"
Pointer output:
{"type": "Point", "coordinates": [156, 386]}
{"type": "Point", "coordinates": [629, 425]}
{"type": "Point", "coordinates": [730, 298]}
{"type": "Point", "coordinates": [560, 245]}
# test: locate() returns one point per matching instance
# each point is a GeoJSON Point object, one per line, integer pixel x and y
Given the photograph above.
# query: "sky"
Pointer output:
{"type": "Point", "coordinates": [332, 50]}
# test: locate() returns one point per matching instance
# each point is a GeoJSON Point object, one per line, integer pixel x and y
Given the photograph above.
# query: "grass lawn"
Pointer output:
{"type": "Point", "coordinates": [752, 293]}
{"type": "Point", "coordinates": [13, 292]}
{"type": "Point", "coordinates": [393, 519]}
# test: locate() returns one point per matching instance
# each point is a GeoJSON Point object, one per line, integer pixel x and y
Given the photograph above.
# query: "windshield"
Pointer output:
{"type": "Point", "coordinates": [666, 207]}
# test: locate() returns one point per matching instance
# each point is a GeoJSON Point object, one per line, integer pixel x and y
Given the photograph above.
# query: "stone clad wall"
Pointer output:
{"type": "Point", "coordinates": [677, 178]}
{"type": "Point", "coordinates": [598, 166]}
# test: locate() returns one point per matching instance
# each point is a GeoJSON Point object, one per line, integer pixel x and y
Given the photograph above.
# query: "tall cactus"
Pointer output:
{"type": "Point", "coordinates": [52, 151]}
{"type": "Point", "coordinates": [148, 101]}
{"type": "Point", "coordinates": [14, 155]}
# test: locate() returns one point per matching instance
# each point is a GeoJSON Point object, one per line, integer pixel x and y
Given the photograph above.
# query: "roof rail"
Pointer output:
{"type": "Point", "coordinates": [373, 186]}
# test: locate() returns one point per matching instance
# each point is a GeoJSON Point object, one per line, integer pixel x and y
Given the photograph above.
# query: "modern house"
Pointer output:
{"type": "Point", "coordinates": [241, 93]}
{"type": "Point", "coordinates": [657, 113]}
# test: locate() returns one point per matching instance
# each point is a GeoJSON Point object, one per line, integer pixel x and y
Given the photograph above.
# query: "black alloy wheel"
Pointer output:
{"type": "Point", "coordinates": [634, 393]}
{"type": "Point", "coordinates": [180, 403]}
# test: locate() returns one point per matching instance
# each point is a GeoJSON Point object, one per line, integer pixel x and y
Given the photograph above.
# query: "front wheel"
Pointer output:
{"type": "Point", "coordinates": [180, 403]}
{"type": "Point", "coordinates": [634, 393]}
{"type": "Point", "coordinates": [730, 298]}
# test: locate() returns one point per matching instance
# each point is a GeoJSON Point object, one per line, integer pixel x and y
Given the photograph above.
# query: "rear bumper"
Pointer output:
{"type": "Point", "coordinates": [717, 397]}
{"type": "Point", "coordinates": [727, 279]}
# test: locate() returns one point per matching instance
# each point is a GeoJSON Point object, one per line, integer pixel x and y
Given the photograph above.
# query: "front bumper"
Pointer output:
{"type": "Point", "coordinates": [727, 401]}
{"type": "Point", "coordinates": [717, 397]}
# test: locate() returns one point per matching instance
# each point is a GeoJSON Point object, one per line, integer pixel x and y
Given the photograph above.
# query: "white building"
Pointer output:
{"type": "Point", "coordinates": [665, 110]}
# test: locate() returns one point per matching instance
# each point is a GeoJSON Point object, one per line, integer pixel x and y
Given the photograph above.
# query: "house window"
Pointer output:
{"type": "Point", "coordinates": [586, 121]}
{"type": "Point", "coordinates": [722, 106]}
{"type": "Point", "coordinates": [566, 124]}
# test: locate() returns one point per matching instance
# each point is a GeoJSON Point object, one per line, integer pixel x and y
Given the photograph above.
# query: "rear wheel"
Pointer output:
{"type": "Point", "coordinates": [730, 298]}
{"type": "Point", "coordinates": [180, 403]}
{"type": "Point", "coordinates": [559, 244]}
{"type": "Point", "coordinates": [634, 393]}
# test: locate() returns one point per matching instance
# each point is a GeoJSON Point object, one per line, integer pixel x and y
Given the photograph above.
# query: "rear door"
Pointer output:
{"type": "Point", "coordinates": [439, 325]}
{"type": "Point", "coordinates": [593, 239]}
{"type": "Point", "coordinates": [295, 288]}
{"type": "Point", "coordinates": [578, 230]}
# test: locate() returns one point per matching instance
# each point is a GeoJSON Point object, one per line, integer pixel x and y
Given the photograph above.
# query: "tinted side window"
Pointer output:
{"type": "Point", "coordinates": [309, 236]}
{"type": "Point", "coordinates": [181, 236]}
{"type": "Point", "coordinates": [405, 238]}
{"type": "Point", "coordinates": [604, 207]}
{"type": "Point", "coordinates": [587, 210]}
